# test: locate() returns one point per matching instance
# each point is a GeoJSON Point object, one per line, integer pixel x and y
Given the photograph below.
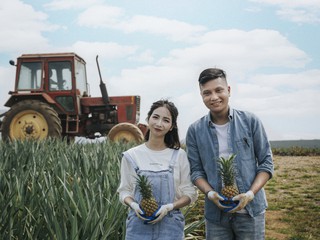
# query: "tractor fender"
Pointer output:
{"type": "Point", "coordinates": [17, 97]}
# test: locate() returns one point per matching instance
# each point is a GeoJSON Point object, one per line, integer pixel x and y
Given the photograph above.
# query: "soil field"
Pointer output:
{"type": "Point", "coordinates": [294, 199]}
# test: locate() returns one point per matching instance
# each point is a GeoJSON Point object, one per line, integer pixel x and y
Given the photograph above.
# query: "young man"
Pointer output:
{"type": "Point", "coordinates": [221, 133]}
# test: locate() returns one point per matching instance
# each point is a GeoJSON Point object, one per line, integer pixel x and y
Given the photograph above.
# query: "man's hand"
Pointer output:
{"type": "Point", "coordinates": [244, 199]}
{"type": "Point", "coordinates": [135, 207]}
{"type": "Point", "coordinates": [216, 198]}
{"type": "Point", "coordinates": [162, 212]}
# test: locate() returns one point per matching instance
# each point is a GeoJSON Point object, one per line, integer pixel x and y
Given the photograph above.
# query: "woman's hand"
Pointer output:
{"type": "Point", "coordinates": [162, 212]}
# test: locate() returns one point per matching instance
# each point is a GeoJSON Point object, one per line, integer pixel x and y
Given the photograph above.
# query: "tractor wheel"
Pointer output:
{"type": "Point", "coordinates": [31, 119]}
{"type": "Point", "coordinates": [126, 132]}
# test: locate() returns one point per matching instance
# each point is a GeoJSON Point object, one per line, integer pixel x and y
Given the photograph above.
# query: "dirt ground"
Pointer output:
{"type": "Point", "coordinates": [293, 178]}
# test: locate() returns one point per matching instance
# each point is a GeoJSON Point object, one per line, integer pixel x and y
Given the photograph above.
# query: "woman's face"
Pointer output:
{"type": "Point", "coordinates": [160, 122]}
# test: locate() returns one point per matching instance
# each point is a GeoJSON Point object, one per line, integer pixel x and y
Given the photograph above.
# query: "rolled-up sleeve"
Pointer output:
{"type": "Point", "coordinates": [262, 149]}
{"type": "Point", "coordinates": [194, 156]}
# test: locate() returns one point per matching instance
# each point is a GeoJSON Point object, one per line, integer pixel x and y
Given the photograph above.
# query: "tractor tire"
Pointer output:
{"type": "Point", "coordinates": [126, 132]}
{"type": "Point", "coordinates": [31, 120]}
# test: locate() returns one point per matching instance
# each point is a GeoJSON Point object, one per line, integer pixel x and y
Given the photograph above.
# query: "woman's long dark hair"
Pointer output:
{"type": "Point", "coordinates": [171, 139]}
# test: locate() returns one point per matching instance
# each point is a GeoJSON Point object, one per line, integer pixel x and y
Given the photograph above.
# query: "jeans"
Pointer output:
{"type": "Point", "coordinates": [237, 226]}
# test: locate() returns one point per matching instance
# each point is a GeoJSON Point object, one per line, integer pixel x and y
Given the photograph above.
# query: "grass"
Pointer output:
{"type": "Point", "coordinates": [294, 199]}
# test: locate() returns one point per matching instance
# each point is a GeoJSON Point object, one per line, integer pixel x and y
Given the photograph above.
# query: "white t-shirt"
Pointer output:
{"type": "Point", "coordinates": [148, 159]}
{"type": "Point", "coordinates": [222, 134]}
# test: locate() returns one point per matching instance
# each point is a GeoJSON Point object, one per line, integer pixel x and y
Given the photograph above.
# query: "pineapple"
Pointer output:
{"type": "Point", "coordinates": [148, 203]}
{"type": "Point", "coordinates": [229, 189]}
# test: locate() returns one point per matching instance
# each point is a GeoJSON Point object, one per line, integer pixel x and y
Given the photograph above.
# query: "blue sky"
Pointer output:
{"type": "Point", "coordinates": [157, 49]}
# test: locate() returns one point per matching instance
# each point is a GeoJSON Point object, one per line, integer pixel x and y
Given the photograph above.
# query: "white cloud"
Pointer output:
{"type": "Point", "coordinates": [101, 16]}
{"type": "Point", "coordinates": [172, 29]}
{"type": "Point", "coordinates": [104, 16]}
{"type": "Point", "coordinates": [293, 4]}
{"type": "Point", "coordinates": [300, 15]}
{"type": "Point", "coordinates": [110, 50]}
{"type": "Point", "coordinates": [299, 11]}
{"type": "Point", "coordinates": [253, 9]}
{"type": "Point", "coordinates": [288, 82]}
{"type": "Point", "coordinates": [240, 51]}
{"type": "Point", "coordinates": [71, 4]}
{"type": "Point", "coordinates": [144, 57]}
{"type": "Point", "coordinates": [281, 95]}
{"type": "Point", "coordinates": [24, 30]}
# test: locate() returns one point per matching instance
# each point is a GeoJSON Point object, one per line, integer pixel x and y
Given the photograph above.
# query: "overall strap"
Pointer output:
{"type": "Point", "coordinates": [131, 160]}
{"type": "Point", "coordinates": [173, 159]}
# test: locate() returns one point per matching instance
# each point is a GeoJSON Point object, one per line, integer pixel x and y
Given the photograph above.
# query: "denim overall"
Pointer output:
{"type": "Point", "coordinates": [172, 225]}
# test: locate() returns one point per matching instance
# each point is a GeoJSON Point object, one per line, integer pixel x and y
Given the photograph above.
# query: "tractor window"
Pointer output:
{"type": "Point", "coordinates": [60, 77]}
{"type": "Point", "coordinates": [81, 81]}
{"type": "Point", "coordinates": [29, 76]}
{"type": "Point", "coordinates": [66, 102]}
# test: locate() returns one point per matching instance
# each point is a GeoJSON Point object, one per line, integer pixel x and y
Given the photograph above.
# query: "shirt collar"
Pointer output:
{"type": "Point", "coordinates": [230, 116]}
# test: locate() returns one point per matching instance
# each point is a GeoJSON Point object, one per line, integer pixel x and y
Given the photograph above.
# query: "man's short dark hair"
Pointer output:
{"type": "Point", "coordinates": [211, 74]}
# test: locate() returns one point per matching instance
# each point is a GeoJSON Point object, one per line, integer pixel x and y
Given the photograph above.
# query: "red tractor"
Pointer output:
{"type": "Point", "coordinates": [51, 99]}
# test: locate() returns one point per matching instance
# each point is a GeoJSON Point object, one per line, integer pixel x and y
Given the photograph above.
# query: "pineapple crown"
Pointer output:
{"type": "Point", "coordinates": [226, 170]}
{"type": "Point", "coordinates": [144, 186]}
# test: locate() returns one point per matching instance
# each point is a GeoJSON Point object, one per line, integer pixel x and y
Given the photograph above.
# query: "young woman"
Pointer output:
{"type": "Point", "coordinates": [166, 165]}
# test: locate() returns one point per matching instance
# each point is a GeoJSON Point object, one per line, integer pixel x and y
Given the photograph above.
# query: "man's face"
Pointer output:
{"type": "Point", "coordinates": [215, 95]}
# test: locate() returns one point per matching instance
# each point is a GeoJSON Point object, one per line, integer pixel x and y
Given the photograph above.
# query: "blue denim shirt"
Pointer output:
{"type": "Point", "coordinates": [247, 139]}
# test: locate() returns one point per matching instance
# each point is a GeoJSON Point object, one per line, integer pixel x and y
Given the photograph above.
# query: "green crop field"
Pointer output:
{"type": "Point", "coordinates": [52, 190]}
{"type": "Point", "coordinates": [55, 190]}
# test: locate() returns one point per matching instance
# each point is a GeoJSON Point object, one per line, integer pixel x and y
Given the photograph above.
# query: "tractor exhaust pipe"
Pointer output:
{"type": "Point", "coordinates": [103, 87]}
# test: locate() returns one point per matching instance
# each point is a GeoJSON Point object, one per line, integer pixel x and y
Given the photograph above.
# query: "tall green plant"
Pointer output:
{"type": "Point", "coordinates": [54, 190]}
